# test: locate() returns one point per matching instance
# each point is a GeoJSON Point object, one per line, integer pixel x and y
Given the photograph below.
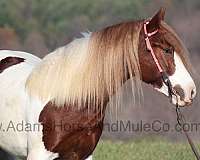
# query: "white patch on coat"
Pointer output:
{"type": "Point", "coordinates": [13, 98]}
{"type": "Point", "coordinates": [17, 107]}
{"type": "Point", "coordinates": [29, 58]}
{"type": "Point", "coordinates": [180, 77]}
{"type": "Point", "coordinates": [89, 158]}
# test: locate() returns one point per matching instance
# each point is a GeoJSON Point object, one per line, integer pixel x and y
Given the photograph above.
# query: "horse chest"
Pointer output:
{"type": "Point", "coordinates": [73, 134]}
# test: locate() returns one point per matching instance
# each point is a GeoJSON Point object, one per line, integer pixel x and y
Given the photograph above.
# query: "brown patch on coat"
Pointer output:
{"type": "Point", "coordinates": [173, 39]}
{"type": "Point", "coordinates": [70, 132]}
{"type": "Point", "coordinates": [9, 61]}
{"type": "Point", "coordinates": [149, 70]}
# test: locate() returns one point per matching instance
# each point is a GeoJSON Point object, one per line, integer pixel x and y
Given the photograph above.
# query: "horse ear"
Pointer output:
{"type": "Point", "coordinates": [155, 22]}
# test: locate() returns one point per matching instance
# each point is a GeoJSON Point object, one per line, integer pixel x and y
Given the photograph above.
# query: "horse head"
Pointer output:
{"type": "Point", "coordinates": [171, 55]}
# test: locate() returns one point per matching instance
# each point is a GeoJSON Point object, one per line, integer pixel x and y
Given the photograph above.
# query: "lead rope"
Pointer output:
{"type": "Point", "coordinates": [181, 121]}
{"type": "Point", "coordinates": [180, 117]}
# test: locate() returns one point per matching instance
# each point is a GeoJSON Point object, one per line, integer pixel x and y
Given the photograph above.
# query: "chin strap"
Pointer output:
{"type": "Point", "coordinates": [180, 117]}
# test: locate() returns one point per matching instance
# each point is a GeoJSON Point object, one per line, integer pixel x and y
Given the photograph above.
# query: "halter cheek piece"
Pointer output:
{"type": "Point", "coordinates": [164, 75]}
{"type": "Point", "coordinates": [180, 117]}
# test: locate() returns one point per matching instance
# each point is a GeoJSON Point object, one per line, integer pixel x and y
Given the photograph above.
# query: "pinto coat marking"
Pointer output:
{"type": "Point", "coordinates": [72, 133]}
{"type": "Point", "coordinates": [9, 61]}
{"type": "Point", "coordinates": [74, 83]}
{"type": "Point", "coordinates": [15, 67]}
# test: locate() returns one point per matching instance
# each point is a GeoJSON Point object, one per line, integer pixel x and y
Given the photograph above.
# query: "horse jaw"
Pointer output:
{"type": "Point", "coordinates": [182, 82]}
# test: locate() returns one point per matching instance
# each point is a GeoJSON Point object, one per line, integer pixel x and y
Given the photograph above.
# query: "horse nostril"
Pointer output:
{"type": "Point", "coordinates": [193, 93]}
{"type": "Point", "coordinates": [180, 92]}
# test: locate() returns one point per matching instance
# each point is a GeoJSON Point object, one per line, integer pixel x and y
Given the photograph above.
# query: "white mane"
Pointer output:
{"type": "Point", "coordinates": [82, 72]}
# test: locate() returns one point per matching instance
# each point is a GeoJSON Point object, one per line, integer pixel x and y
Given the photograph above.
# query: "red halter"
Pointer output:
{"type": "Point", "coordinates": [148, 44]}
{"type": "Point", "coordinates": [164, 75]}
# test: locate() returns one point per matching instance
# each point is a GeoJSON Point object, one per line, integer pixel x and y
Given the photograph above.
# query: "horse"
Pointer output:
{"type": "Point", "coordinates": [66, 93]}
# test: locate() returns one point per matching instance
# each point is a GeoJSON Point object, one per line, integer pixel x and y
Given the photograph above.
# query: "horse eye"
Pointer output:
{"type": "Point", "coordinates": [167, 50]}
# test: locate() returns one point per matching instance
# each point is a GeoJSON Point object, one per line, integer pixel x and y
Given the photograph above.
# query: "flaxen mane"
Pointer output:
{"type": "Point", "coordinates": [89, 68]}
{"type": "Point", "coordinates": [94, 67]}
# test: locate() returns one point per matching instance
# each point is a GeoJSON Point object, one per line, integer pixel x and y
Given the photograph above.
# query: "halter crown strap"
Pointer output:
{"type": "Point", "coordinates": [148, 44]}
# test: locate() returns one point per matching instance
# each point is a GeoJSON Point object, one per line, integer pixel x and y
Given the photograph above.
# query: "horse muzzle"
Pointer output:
{"type": "Point", "coordinates": [184, 95]}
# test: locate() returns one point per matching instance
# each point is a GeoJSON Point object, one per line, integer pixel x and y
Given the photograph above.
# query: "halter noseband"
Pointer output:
{"type": "Point", "coordinates": [164, 75]}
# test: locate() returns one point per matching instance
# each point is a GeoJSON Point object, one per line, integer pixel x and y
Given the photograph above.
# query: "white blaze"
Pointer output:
{"type": "Point", "coordinates": [182, 78]}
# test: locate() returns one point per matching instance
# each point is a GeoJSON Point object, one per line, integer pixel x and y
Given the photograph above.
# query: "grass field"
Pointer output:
{"type": "Point", "coordinates": [143, 150]}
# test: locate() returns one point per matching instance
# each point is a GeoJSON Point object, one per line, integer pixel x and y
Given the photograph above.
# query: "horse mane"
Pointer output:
{"type": "Point", "coordinates": [89, 69]}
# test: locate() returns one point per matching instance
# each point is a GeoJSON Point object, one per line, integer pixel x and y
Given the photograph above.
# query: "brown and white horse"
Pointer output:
{"type": "Point", "coordinates": [67, 92]}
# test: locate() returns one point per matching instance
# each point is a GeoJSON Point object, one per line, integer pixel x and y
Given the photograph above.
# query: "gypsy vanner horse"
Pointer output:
{"type": "Point", "coordinates": [67, 91]}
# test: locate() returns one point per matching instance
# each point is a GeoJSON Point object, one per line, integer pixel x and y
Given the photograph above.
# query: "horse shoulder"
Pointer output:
{"type": "Point", "coordinates": [72, 133]}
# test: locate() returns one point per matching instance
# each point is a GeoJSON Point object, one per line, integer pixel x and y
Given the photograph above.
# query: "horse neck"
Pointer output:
{"type": "Point", "coordinates": [93, 74]}
{"type": "Point", "coordinates": [114, 58]}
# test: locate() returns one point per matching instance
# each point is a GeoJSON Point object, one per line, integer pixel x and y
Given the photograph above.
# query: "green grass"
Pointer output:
{"type": "Point", "coordinates": [143, 150]}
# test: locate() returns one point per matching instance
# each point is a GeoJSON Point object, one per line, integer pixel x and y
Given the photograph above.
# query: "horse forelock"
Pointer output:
{"type": "Point", "coordinates": [90, 68]}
